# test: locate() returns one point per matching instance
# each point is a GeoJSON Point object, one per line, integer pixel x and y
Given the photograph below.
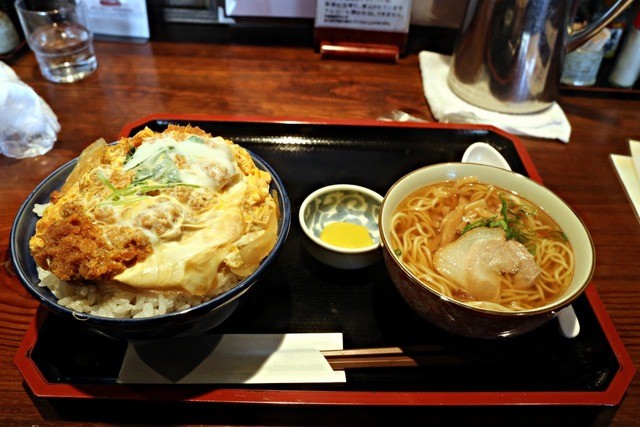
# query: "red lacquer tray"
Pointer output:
{"type": "Point", "coordinates": [62, 360]}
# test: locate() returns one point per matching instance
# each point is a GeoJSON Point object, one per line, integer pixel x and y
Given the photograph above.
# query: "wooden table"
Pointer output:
{"type": "Point", "coordinates": [136, 80]}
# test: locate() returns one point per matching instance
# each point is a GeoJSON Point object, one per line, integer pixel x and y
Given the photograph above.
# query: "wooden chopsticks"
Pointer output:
{"type": "Point", "coordinates": [386, 357]}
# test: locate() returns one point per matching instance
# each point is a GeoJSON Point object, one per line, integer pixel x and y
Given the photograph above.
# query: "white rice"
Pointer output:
{"type": "Point", "coordinates": [112, 301]}
{"type": "Point", "coordinates": [39, 208]}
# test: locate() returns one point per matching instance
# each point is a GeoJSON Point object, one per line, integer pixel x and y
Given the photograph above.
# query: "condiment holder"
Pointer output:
{"type": "Point", "coordinates": [341, 225]}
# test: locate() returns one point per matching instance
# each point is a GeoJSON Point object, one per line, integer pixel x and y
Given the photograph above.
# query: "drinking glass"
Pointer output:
{"type": "Point", "coordinates": [57, 32]}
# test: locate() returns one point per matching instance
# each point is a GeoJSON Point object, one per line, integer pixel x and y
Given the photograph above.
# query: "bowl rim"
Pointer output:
{"type": "Point", "coordinates": [329, 189]}
{"type": "Point", "coordinates": [552, 307]}
{"type": "Point", "coordinates": [220, 300]}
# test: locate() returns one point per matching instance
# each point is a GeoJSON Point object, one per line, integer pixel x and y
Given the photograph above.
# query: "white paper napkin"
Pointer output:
{"type": "Point", "coordinates": [28, 126]}
{"type": "Point", "coordinates": [627, 169]}
{"type": "Point", "coordinates": [233, 359]}
{"type": "Point", "coordinates": [447, 107]}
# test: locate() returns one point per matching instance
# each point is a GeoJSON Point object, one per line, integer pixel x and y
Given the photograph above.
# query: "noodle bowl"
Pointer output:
{"type": "Point", "coordinates": [422, 219]}
{"type": "Point", "coordinates": [436, 215]}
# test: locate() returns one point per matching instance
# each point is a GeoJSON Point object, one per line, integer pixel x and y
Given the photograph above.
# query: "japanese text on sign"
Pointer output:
{"type": "Point", "coordinates": [375, 15]}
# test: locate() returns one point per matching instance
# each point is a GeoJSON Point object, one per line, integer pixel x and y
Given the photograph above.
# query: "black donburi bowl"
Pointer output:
{"type": "Point", "coordinates": [194, 320]}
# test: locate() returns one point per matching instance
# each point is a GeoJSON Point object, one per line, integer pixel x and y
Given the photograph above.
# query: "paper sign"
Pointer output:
{"type": "Point", "coordinates": [118, 18]}
{"type": "Point", "coordinates": [270, 8]}
{"type": "Point", "coordinates": [368, 15]}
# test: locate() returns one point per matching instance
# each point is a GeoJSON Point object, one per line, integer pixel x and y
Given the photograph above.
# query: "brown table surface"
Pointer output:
{"type": "Point", "coordinates": [136, 80]}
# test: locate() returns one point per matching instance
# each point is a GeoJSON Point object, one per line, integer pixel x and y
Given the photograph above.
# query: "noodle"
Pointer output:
{"type": "Point", "coordinates": [435, 215]}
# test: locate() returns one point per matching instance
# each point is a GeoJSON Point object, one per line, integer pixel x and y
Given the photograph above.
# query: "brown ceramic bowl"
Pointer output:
{"type": "Point", "coordinates": [467, 320]}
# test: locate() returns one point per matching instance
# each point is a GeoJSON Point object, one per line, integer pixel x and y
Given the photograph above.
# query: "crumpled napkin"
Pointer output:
{"type": "Point", "coordinates": [447, 107]}
{"type": "Point", "coordinates": [28, 126]}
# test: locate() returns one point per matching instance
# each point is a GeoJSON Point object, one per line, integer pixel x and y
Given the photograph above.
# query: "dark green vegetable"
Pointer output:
{"type": "Point", "coordinates": [511, 220]}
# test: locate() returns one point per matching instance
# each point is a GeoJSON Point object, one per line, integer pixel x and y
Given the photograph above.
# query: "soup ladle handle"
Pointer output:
{"type": "Point", "coordinates": [569, 325]}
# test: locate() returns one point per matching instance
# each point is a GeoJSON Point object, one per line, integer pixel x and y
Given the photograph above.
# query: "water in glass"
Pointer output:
{"type": "Point", "coordinates": [64, 52]}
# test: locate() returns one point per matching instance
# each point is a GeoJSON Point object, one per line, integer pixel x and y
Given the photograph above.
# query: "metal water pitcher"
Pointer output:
{"type": "Point", "coordinates": [509, 54]}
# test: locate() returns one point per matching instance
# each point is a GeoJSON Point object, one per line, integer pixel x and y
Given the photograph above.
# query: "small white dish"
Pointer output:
{"type": "Point", "coordinates": [341, 203]}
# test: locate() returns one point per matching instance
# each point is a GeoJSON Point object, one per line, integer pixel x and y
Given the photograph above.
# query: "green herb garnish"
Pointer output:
{"type": "Point", "coordinates": [137, 191]}
{"type": "Point", "coordinates": [512, 222]}
{"type": "Point", "coordinates": [194, 138]}
{"type": "Point", "coordinates": [103, 179]}
{"type": "Point", "coordinates": [159, 169]}
{"type": "Point", "coordinates": [152, 173]}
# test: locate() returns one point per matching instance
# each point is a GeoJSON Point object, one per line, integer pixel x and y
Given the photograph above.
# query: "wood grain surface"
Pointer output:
{"type": "Point", "coordinates": [136, 80]}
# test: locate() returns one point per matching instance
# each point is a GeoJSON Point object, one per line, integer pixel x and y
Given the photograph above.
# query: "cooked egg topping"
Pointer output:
{"type": "Point", "coordinates": [195, 161]}
{"type": "Point", "coordinates": [175, 210]}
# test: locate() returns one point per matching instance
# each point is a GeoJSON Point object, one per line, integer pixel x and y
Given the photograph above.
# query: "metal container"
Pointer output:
{"type": "Point", "coordinates": [509, 54]}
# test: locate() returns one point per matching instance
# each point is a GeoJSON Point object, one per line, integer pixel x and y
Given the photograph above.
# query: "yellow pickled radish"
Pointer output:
{"type": "Point", "coordinates": [346, 235]}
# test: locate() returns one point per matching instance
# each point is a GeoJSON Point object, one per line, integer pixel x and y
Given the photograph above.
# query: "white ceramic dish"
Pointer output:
{"type": "Point", "coordinates": [341, 203]}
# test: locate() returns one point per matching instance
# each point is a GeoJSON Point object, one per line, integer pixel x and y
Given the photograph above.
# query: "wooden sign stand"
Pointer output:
{"type": "Point", "coordinates": [367, 30]}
